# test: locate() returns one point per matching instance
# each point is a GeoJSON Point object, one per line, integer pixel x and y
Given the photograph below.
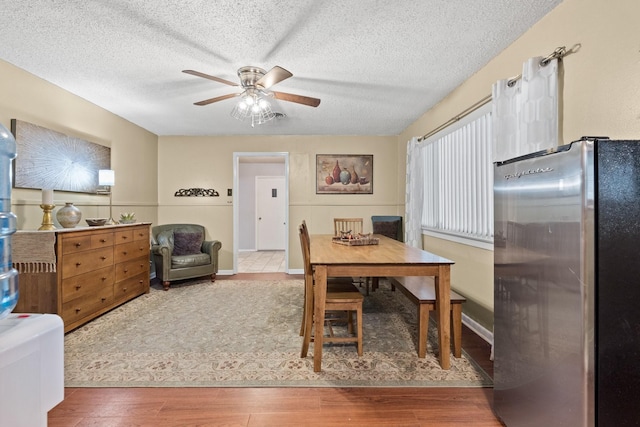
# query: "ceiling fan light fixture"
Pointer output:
{"type": "Point", "coordinates": [256, 82]}
{"type": "Point", "coordinates": [254, 109]}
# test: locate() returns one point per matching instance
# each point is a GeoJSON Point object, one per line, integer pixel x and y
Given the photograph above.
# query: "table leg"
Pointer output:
{"type": "Point", "coordinates": [320, 297]}
{"type": "Point", "coordinates": [443, 310]}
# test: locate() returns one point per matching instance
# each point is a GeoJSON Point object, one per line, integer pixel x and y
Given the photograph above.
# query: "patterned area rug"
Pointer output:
{"type": "Point", "coordinates": [235, 333]}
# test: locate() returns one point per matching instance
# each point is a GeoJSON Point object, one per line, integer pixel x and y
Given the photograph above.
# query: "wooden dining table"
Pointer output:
{"type": "Point", "coordinates": [386, 259]}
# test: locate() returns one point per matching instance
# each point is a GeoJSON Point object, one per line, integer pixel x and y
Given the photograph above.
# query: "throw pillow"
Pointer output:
{"type": "Point", "coordinates": [187, 242]}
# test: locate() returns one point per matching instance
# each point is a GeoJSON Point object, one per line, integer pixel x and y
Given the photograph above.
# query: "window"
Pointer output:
{"type": "Point", "coordinates": [458, 180]}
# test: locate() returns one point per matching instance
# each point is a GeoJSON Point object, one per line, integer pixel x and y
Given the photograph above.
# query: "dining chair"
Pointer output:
{"type": "Point", "coordinates": [389, 226]}
{"type": "Point", "coordinates": [354, 225]}
{"type": "Point", "coordinates": [334, 284]}
{"type": "Point", "coordinates": [345, 301]}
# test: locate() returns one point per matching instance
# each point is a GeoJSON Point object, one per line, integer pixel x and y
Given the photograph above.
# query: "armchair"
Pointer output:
{"type": "Point", "coordinates": [180, 252]}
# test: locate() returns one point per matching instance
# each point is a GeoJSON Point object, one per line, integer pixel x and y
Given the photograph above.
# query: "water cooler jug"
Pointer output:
{"type": "Point", "coordinates": [8, 275]}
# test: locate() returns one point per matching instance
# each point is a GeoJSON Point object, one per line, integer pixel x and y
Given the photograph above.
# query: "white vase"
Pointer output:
{"type": "Point", "coordinates": [68, 216]}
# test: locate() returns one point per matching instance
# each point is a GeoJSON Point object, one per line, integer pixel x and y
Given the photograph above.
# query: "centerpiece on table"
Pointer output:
{"type": "Point", "coordinates": [359, 239]}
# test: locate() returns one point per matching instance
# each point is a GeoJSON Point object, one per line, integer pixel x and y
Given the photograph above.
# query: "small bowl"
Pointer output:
{"type": "Point", "coordinates": [96, 221]}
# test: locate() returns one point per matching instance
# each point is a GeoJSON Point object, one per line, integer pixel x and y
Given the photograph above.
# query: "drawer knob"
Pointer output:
{"type": "Point", "coordinates": [103, 299]}
{"type": "Point", "coordinates": [124, 237]}
{"type": "Point", "coordinates": [78, 245]}
{"type": "Point", "coordinates": [78, 264]}
{"type": "Point", "coordinates": [78, 287]}
{"type": "Point", "coordinates": [103, 258]}
{"type": "Point", "coordinates": [104, 278]}
{"type": "Point", "coordinates": [103, 240]}
{"type": "Point", "coordinates": [126, 271]}
{"type": "Point", "coordinates": [124, 252]}
{"type": "Point", "coordinates": [77, 310]}
{"type": "Point", "coordinates": [124, 289]}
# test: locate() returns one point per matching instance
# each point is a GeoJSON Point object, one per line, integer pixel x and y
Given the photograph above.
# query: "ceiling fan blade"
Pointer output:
{"type": "Point", "coordinates": [305, 100]}
{"type": "Point", "coordinates": [216, 99]}
{"type": "Point", "coordinates": [207, 76]}
{"type": "Point", "coordinates": [273, 76]}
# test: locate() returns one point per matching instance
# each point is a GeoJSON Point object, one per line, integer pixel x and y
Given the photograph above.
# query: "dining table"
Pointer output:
{"type": "Point", "coordinates": [387, 258]}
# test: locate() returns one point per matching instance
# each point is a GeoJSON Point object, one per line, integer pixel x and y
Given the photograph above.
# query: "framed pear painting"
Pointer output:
{"type": "Point", "coordinates": [344, 173]}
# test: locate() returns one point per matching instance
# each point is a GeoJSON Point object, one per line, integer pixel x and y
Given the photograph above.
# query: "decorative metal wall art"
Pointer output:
{"type": "Point", "coordinates": [196, 192]}
{"type": "Point", "coordinates": [50, 159]}
{"type": "Point", "coordinates": [344, 174]}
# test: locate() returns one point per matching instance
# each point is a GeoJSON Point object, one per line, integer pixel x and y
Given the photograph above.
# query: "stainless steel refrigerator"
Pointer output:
{"type": "Point", "coordinates": [567, 286]}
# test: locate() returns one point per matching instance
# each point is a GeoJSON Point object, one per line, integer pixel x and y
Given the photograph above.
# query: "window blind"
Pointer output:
{"type": "Point", "coordinates": [458, 181]}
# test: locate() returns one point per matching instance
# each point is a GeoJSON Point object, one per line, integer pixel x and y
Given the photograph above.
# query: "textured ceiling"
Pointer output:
{"type": "Point", "coordinates": [376, 65]}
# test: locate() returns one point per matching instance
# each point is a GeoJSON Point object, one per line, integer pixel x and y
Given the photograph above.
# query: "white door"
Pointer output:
{"type": "Point", "coordinates": [270, 213]}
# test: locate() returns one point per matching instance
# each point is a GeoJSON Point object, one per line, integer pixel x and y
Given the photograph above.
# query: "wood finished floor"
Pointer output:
{"type": "Point", "coordinates": [253, 407]}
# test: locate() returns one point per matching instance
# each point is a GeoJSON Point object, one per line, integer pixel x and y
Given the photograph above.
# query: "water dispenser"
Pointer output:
{"type": "Point", "coordinates": [8, 275]}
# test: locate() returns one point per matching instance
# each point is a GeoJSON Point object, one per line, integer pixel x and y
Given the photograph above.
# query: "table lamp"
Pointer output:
{"type": "Point", "coordinates": [107, 178]}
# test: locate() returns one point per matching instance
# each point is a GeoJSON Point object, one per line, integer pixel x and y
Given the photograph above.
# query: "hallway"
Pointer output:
{"type": "Point", "coordinates": [261, 262]}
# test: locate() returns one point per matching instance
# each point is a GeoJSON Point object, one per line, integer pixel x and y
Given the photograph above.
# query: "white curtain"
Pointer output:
{"type": "Point", "coordinates": [414, 195]}
{"type": "Point", "coordinates": [525, 114]}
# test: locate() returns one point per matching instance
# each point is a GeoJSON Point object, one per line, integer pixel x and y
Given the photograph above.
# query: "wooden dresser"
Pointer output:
{"type": "Point", "coordinates": [97, 269]}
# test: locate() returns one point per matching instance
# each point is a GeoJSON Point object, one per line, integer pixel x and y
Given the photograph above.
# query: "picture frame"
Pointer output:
{"type": "Point", "coordinates": [344, 173]}
{"type": "Point", "coordinates": [53, 160]}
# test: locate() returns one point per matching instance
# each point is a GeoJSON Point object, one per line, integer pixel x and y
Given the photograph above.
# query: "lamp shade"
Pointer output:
{"type": "Point", "coordinates": [106, 177]}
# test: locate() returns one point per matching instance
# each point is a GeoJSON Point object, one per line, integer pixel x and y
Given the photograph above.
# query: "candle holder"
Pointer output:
{"type": "Point", "coordinates": [47, 221]}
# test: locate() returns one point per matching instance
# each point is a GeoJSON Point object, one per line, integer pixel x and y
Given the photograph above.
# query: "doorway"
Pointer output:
{"type": "Point", "coordinates": [253, 244]}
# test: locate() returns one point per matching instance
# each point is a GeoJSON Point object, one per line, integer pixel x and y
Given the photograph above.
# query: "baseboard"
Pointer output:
{"type": "Point", "coordinates": [230, 272]}
{"type": "Point", "coordinates": [478, 329]}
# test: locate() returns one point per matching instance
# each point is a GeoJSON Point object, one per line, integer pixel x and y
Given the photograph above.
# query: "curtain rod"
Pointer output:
{"type": "Point", "coordinates": [559, 53]}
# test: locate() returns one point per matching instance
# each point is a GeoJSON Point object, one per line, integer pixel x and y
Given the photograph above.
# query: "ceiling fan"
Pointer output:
{"type": "Point", "coordinates": [255, 82]}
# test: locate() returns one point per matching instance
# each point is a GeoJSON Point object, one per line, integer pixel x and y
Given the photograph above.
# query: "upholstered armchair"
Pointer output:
{"type": "Point", "coordinates": [180, 252]}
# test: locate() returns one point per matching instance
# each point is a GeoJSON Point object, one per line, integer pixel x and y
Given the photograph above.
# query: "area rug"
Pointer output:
{"type": "Point", "coordinates": [240, 333]}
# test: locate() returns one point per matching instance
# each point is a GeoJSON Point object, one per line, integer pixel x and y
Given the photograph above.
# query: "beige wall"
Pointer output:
{"type": "Point", "coordinates": [133, 150]}
{"type": "Point", "coordinates": [207, 162]}
{"type": "Point", "coordinates": [600, 96]}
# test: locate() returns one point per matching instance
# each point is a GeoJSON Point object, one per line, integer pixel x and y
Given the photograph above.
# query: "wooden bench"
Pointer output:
{"type": "Point", "coordinates": [421, 291]}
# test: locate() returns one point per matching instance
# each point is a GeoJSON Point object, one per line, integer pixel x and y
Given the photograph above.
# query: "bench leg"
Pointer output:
{"type": "Point", "coordinates": [456, 329]}
{"type": "Point", "coordinates": [423, 329]}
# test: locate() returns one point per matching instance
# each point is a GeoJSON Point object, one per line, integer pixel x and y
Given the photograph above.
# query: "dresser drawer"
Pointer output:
{"type": "Point", "coordinates": [141, 233]}
{"type": "Point", "coordinates": [124, 236]}
{"type": "Point", "coordinates": [87, 283]}
{"type": "Point", "coordinates": [72, 245]}
{"type": "Point", "coordinates": [101, 240]}
{"type": "Point", "coordinates": [127, 269]}
{"type": "Point", "coordinates": [86, 242]}
{"type": "Point", "coordinates": [84, 262]}
{"type": "Point", "coordinates": [131, 287]}
{"type": "Point", "coordinates": [131, 250]}
{"type": "Point", "coordinates": [87, 305]}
